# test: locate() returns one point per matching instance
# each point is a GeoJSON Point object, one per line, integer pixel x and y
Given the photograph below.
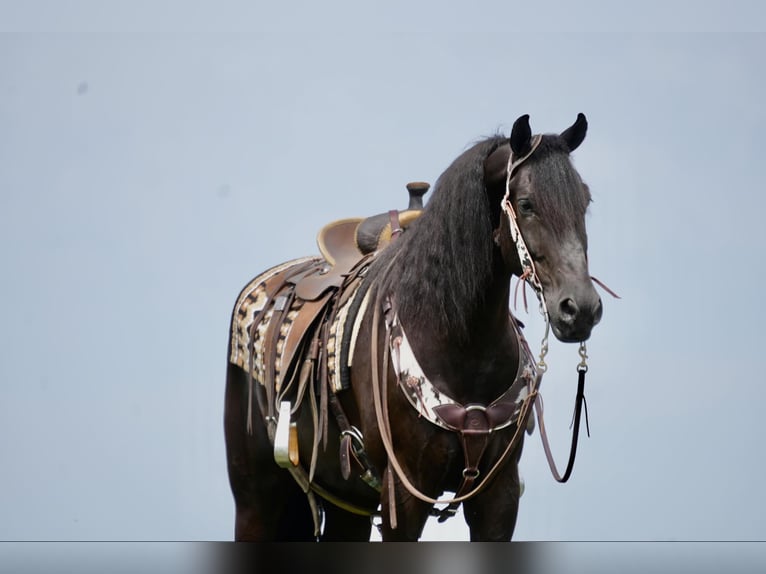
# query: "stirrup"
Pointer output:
{"type": "Point", "coordinates": [285, 438]}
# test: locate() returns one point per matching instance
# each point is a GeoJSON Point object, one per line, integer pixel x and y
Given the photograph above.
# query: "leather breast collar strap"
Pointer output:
{"type": "Point", "coordinates": [439, 408]}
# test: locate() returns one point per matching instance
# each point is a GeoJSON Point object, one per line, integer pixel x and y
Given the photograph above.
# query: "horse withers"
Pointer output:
{"type": "Point", "coordinates": [371, 381]}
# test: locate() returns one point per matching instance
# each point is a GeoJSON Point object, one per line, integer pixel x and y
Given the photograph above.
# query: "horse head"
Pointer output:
{"type": "Point", "coordinates": [549, 201]}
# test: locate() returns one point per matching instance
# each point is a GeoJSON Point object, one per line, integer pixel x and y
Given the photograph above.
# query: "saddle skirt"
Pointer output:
{"type": "Point", "coordinates": [272, 328]}
{"type": "Point", "coordinates": [252, 315]}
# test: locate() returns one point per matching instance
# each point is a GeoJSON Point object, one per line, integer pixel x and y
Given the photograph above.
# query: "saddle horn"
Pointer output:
{"type": "Point", "coordinates": [417, 189]}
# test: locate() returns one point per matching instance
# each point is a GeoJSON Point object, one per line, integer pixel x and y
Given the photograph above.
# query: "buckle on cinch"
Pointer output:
{"type": "Point", "coordinates": [357, 446]}
{"type": "Point", "coordinates": [357, 443]}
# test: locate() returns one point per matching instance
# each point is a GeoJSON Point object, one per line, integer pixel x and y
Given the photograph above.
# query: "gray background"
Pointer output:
{"type": "Point", "coordinates": [154, 158]}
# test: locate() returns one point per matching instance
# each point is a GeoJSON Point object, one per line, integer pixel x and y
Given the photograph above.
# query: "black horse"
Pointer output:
{"type": "Point", "coordinates": [404, 374]}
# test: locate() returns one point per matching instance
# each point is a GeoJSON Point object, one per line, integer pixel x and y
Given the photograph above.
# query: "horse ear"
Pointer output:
{"type": "Point", "coordinates": [521, 136]}
{"type": "Point", "coordinates": [574, 134]}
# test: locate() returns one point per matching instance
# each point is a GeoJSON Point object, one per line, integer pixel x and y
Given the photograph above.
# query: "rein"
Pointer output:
{"type": "Point", "coordinates": [529, 275]}
{"type": "Point", "coordinates": [580, 402]}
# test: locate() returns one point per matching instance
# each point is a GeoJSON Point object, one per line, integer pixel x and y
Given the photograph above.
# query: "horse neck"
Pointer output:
{"type": "Point", "coordinates": [468, 348]}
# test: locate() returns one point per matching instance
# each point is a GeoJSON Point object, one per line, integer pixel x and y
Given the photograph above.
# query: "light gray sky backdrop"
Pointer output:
{"type": "Point", "coordinates": [156, 156]}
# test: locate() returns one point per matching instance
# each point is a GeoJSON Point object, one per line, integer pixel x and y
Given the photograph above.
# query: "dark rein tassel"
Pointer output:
{"type": "Point", "coordinates": [579, 403]}
{"type": "Point", "coordinates": [580, 398]}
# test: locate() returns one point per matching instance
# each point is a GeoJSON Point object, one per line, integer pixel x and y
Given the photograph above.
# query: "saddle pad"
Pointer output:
{"type": "Point", "coordinates": [257, 302]}
{"type": "Point", "coordinates": [251, 301]}
{"type": "Point", "coordinates": [339, 341]}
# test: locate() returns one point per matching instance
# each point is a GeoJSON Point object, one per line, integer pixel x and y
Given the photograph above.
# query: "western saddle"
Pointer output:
{"type": "Point", "coordinates": [285, 335]}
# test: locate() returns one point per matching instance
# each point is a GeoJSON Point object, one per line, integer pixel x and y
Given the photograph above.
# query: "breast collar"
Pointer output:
{"type": "Point", "coordinates": [436, 406]}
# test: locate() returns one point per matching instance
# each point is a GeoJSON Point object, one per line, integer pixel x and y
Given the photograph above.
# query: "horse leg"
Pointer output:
{"type": "Point", "coordinates": [274, 514]}
{"type": "Point", "coordinates": [491, 515]}
{"type": "Point", "coordinates": [411, 513]}
{"type": "Point", "coordinates": [343, 526]}
{"type": "Point", "coordinates": [269, 504]}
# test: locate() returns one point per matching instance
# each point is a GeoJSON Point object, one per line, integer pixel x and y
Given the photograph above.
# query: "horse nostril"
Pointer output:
{"type": "Point", "coordinates": [568, 307]}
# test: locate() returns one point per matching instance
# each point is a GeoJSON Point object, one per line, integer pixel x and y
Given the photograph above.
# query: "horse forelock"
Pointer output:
{"type": "Point", "coordinates": [561, 198]}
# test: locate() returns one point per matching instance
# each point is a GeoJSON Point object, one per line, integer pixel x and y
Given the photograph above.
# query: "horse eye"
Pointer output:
{"type": "Point", "coordinates": [526, 207]}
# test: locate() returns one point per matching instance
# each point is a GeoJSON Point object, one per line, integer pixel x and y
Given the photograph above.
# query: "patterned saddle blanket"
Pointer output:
{"type": "Point", "coordinates": [273, 326]}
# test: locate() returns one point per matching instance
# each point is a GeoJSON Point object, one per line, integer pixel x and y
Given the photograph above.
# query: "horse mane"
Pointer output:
{"type": "Point", "coordinates": [445, 258]}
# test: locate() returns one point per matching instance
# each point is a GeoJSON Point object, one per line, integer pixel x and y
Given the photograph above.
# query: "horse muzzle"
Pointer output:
{"type": "Point", "coordinates": [573, 316]}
